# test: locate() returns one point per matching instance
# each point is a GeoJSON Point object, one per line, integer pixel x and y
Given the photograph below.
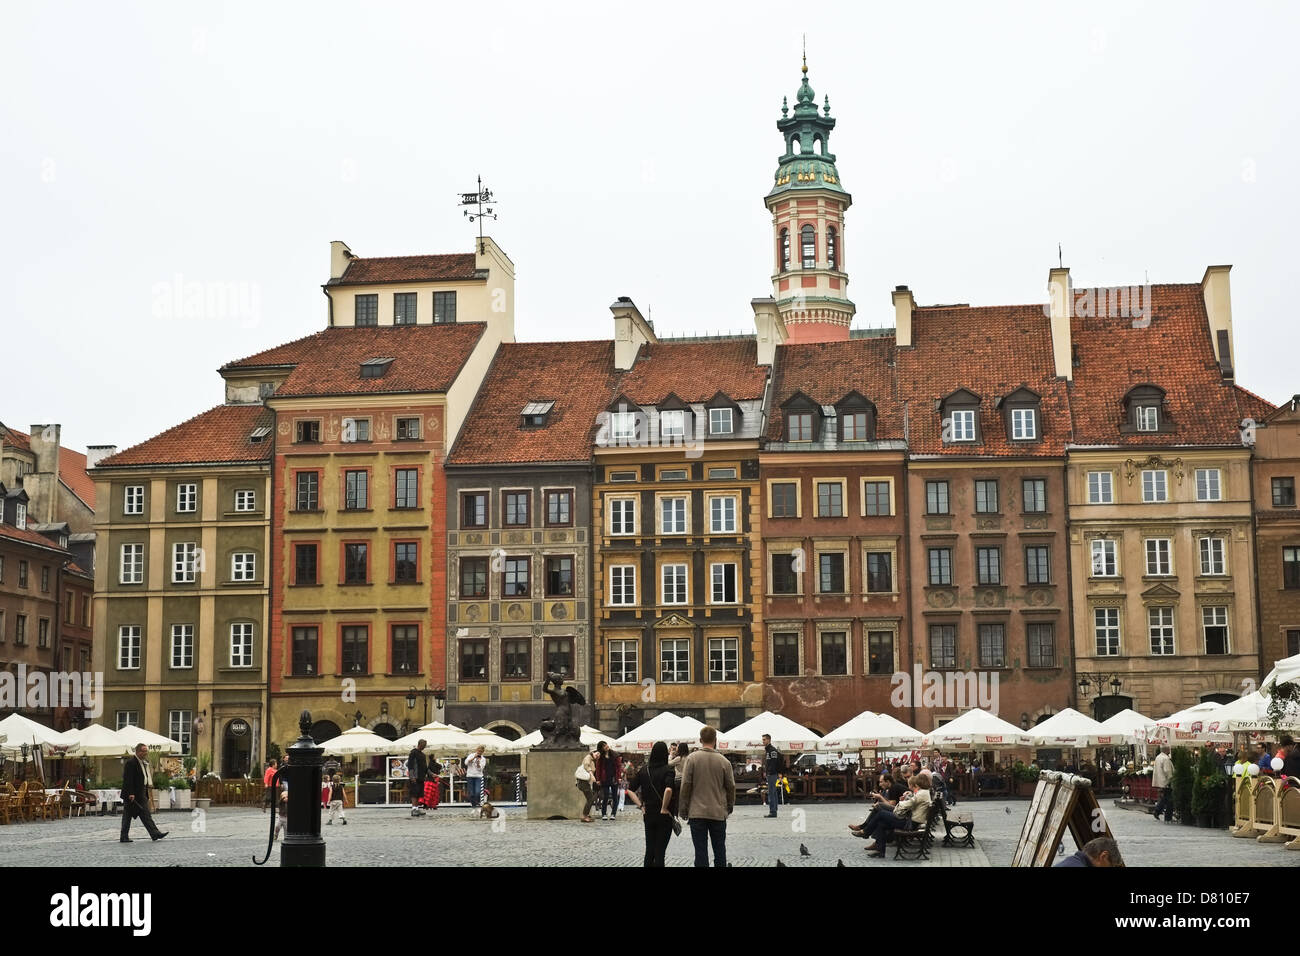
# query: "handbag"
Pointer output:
{"type": "Point", "coordinates": [677, 824]}
{"type": "Point", "coordinates": [581, 773]}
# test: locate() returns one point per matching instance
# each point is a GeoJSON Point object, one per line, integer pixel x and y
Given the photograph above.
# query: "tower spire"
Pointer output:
{"type": "Point", "coordinates": [805, 54]}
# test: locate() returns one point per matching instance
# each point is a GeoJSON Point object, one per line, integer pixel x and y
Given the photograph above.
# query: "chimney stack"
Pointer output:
{"type": "Point", "coordinates": [904, 306]}
{"type": "Point", "coordinates": [1060, 299]}
{"type": "Point", "coordinates": [1218, 306]}
{"type": "Point", "coordinates": [340, 256]}
{"type": "Point", "coordinates": [97, 453]}
{"type": "Point", "coordinates": [631, 331]}
{"type": "Point", "coordinates": [770, 329]}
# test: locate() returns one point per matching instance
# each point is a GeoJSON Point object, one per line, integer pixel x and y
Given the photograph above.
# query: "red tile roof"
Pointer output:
{"type": "Point", "coordinates": [219, 435]}
{"type": "Point", "coordinates": [578, 376]}
{"type": "Point", "coordinates": [16, 438]}
{"type": "Point", "coordinates": [29, 537]}
{"type": "Point", "coordinates": [72, 466]}
{"type": "Point", "coordinates": [426, 358]}
{"type": "Point", "coordinates": [408, 269]}
{"type": "Point", "coordinates": [1173, 352]}
{"type": "Point", "coordinates": [828, 371]}
{"type": "Point", "coordinates": [695, 371]}
{"type": "Point", "coordinates": [991, 351]}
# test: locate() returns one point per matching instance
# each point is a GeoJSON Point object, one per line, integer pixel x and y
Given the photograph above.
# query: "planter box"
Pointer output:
{"type": "Point", "coordinates": [182, 800]}
{"type": "Point", "coordinates": [202, 803]}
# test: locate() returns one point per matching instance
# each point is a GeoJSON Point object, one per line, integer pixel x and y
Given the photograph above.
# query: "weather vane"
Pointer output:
{"type": "Point", "coordinates": [478, 199]}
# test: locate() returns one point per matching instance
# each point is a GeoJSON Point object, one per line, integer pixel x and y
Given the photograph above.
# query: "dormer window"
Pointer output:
{"type": "Point", "coordinates": [801, 426]}
{"type": "Point", "coordinates": [724, 415]}
{"type": "Point", "coordinates": [960, 418]}
{"type": "Point", "coordinates": [671, 424]}
{"type": "Point", "coordinates": [1148, 418]}
{"type": "Point", "coordinates": [963, 425]}
{"type": "Point", "coordinates": [623, 426]}
{"type": "Point", "coordinates": [720, 422]}
{"type": "Point", "coordinates": [1024, 424]}
{"type": "Point", "coordinates": [1020, 414]}
{"type": "Point", "coordinates": [1145, 410]}
{"type": "Point", "coordinates": [536, 414]}
{"type": "Point", "coordinates": [375, 367]}
{"type": "Point", "coordinates": [20, 517]}
{"type": "Point", "coordinates": [802, 418]}
{"type": "Point", "coordinates": [676, 420]}
{"type": "Point", "coordinates": [857, 418]}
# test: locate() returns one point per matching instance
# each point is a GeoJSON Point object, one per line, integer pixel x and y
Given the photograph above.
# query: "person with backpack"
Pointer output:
{"type": "Point", "coordinates": [653, 790]}
{"type": "Point", "coordinates": [416, 770]}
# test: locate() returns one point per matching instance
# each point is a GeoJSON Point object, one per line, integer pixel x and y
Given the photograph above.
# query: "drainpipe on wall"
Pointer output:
{"type": "Point", "coordinates": [907, 561]}
{"type": "Point", "coordinates": [1254, 561]}
{"type": "Point", "coordinates": [1071, 700]}
{"type": "Point", "coordinates": [326, 290]}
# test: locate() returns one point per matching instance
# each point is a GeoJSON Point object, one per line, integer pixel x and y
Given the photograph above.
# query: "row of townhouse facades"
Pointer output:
{"type": "Point", "coordinates": [409, 515]}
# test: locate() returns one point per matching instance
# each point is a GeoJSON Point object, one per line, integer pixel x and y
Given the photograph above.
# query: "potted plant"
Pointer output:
{"type": "Point", "coordinates": [1202, 805]}
{"type": "Point", "coordinates": [1184, 776]}
{"type": "Point", "coordinates": [181, 798]}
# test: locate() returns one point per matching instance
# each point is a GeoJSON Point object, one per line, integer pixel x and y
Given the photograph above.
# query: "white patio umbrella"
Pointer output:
{"type": "Point", "coordinates": [359, 740]}
{"type": "Point", "coordinates": [138, 735]}
{"type": "Point", "coordinates": [872, 731]}
{"type": "Point", "coordinates": [1068, 728]}
{"type": "Point", "coordinates": [19, 730]}
{"type": "Point", "coordinates": [668, 727]}
{"type": "Point", "coordinates": [978, 730]}
{"type": "Point", "coordinates": [495, 743]}
{"type": "Point", "coordinates": [98, 741]}
{"type": "Point", "coordinates": [441, 739]}
{"type": "Point", "coordinates": [1200, 723]}
{"type": "Point", "coordinates": [1129, 727]}
{"type": "Point", "coordinates": [785, 734]}
{"type": "Point", "coordinates": [1283, 672]}
{"type": "Point", "coordinates": [589, 737]}
{"type": "Point", "coordinates": [1251, 713]}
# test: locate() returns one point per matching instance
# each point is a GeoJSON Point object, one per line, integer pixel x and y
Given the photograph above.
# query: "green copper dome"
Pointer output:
{"type": "Point", "coordinates": [807, 162]}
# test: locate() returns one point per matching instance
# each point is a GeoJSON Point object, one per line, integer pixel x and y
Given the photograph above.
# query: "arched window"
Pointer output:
{"type": "Point", "coordinates": [831, 252]}
{"type": "Point", "coordinates": [817, 145]}
{"type": "Point", "coordinates": [784, 252]}
{"type": "Point", "coordinates": [808, 239]}
{"type": "Point", "coordinates": [796, 146]}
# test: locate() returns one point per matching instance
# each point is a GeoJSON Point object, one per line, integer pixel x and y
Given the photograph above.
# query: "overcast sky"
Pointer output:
{"type": "Point", "coordinates": [147, 146]}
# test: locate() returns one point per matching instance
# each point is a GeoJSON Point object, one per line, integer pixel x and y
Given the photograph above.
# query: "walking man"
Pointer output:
{"type": "Point", "coordinates": [1162, 773]}
{"type": "Point", "coordinates": [417, 766]}
{"type": "Point", "coordinates": [773, 764]}
{"type": "Point", "coordinates": [474, 765]}
{"type": "Point", "coordinates": [136, 784]}
{"type": "Point", "coordinates": [707, 798]}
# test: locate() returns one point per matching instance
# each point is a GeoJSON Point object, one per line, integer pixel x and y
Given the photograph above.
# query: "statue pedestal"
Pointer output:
{"type": "Point", "coordinates": [552, 789]}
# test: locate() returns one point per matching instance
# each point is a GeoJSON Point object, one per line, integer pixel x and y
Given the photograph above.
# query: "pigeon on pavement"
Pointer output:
{"type": "Point", "coordinates": [803, 850]}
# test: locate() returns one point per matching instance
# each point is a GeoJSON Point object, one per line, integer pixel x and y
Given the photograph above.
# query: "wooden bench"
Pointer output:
{"type": "Point", "coordinates": [915, 844]}
{"type": "Point", "coordinates": [958, 829]}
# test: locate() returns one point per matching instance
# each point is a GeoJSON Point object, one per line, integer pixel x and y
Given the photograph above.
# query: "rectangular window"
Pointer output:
{"type": "Point", "coordinates": [243, 566]}
{"type": "Point", "coordinates": [184, 562]}
{"type": "Point", "coordinates": [308, 491]}
{"type": "Point", "coordinates": [355, 430]}
{"type": "Point", "coordinates": [1283, 492]}
{"type": "Point", "coordinates": [963, 425]}
{"type": "Point", "coordinates": [1148, 418]}
{"type": "Point", "coordinates": [1215, 622]}
{"type": "Point", "coordinates": [43, 632]}
{"type": "Point", "coordinates": [943, 646]}
{"type": "Point", "coordinates": [1035, 494]}
{"type": "Point", "coordinates": [241, 645]}
{"type": "Point", "coordinates": [722, 515]}
{"type": "Point", "coordinates": [622, 516]}
{"type": "Point", "coordinates": [307, 432]}
{"type": "Point", "coordinates": [304, 651]}
{"type": "Point", "coordinates": [785, 580]}
{"type": "Point", "coordinates": [45, 580]}
{"type": "Point", "coordinates": [672, 474]}
{"type": "Point", "coordinates": [20, 629]}
{"type": "Point", "coordinates": [1041, 643]}
{"type": "Point", "coordinates": [801, 426]}
{"type": "Point", "coordinates": [936, 497]}
{"type": "Point", "coordinates": [785, 655]}
{"type": "Point", "coordinates": [940, 566]}
{"type": "Point", "coordinates": [1212, 556]}
{"type": "Point", "coordinates": [830, 573]}
{"type": "Point", "coordinates": [880, 572]}
{"type": "Point", "coordinates": [133, 501]}
{"type": "Point", "coordinates": [986, 497]}
{"type": "Point", "coordinates": [993, 645]}
{"type": "Point", "coordinates": [720, 421]}
{"type": "Point", "coordinates": [1104, 562]}
{"type": "Point", "coordinates": [366, 309]}
{"type": "Point", "coordinates": [622, 585]}
{"type": "Point", "coordinates": [1158, 559]}
{"type": "Point", "coordinates": [356, 650]}
{"type": "Point", "coordinates": [988, 563]}
{"type": "Point", "coordinates": [723, 657]}
{"type": "Point", "coordinates": [558, 511]}
{"type": "Point", "coordinates": [723, 580]}
{"type": "Point", "coordinates": [1292, 643]}
{"type": "Point", "coordinates": [880, 653]}
{"type": "Point", "coordinates": [830, 499]}
{"type": "Point", "coordinates": [187, 497]}
{"type": "Point", "coordinates": [444, 307]}
{"type": "Point", "coordinates": [356, 563]}
{"type": "Point", "coordinates": [473, 660]}
{"type": "Point", "coordinates": [1155, 485]}
{"type": "Point", "coordinates": [623, 661]}
{"type": "Point", "coordinates": [132, 567]}
{"type": "Point", "coordinates": [516, 663]}
{"type": "Point", "coordinates": [22, 574]}
{"type": "Point", "coordinates": [514, 582]}
{"type": "Point", "coordinates": [1105, 622]}
{"type": "Point", "coordinates": [405, 562]}
{"type": "Point", "coordinates": [559, 656]}
{"type": "Point", "coordinates": [474, 510]}
{"type": "Point", "coordinates": [180, 728]}
{"type": "Point", "coordinates": [672, 515]}
{"type": "Point", "coordinates": [1100, 489]}
{"type": "Point", "coordinates": [1160, 626]}
{"type": "Point", "coordinates": [128, 647]}
{"type": "Point", "coordinates": [876, 496]}
{"type": "Point", "coordinates": [1208, 485]}
{"type": "Point", "coordinates": [1291, 567]}
{"type": "Point", "coordinates": [722, 474]}
{"type": "Point", "coordinates": [406, 649]}
{"type": "Point", "coordinates": [855, 426]}
{"type": "Point", "coordinates": [408, 429]}
{"type": "Point", "coordinates": [182, 646]}
{"type": "Point", "coordinates": [1024, 424]}
{"type": "Point", "coordinates": [357, 490]}
{"type": "Point", "coordinates": [473, 577]}
{"type": "Point", "coordinates": [785, 499]}
{"type": "Point", "coordinates": [675, 661]}
{"type": "Point", "coordinates": [672, 423]}
{"type": "Point", "coordinates": [673, 584]}
{"type": "Point", "coordinates": [559, 576]}
{"type": "Point", "coordinates": [245, 500]}
{"type": "Point", "coordinates": [304, 564]}
{"type": "Point", "coordinates": [623, 427]}
{"type": "Point", "coordinates": [406, 482]}
{"type": "Point", "coordinates": [404, 308]}
{"type": "Point", "coordinates": [834, 653]}
{"type": "Point", "coordinates": [1038, 565]}
{"type": "Point", "coordinates": [515, 506]}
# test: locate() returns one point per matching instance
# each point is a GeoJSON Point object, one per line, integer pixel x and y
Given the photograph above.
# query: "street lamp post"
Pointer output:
{"type": "Point", "coordinates": [439, 695]}
{"type": "Point", "coordinates": [1101, 680]}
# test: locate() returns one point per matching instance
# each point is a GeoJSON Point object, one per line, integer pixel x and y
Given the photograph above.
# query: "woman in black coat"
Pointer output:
{"type": "Point", "coordinates": [653, 791]}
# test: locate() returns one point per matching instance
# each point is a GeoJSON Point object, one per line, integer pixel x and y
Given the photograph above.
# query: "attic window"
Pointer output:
{"type": "Point", "coordinates": [1145, 410]}
{"type": "Point", "coordinates": [536, 413]}
{"type": "Point", "coordinates": [375, 367]}
{"type": "Point", "coordinates": [258, 434]}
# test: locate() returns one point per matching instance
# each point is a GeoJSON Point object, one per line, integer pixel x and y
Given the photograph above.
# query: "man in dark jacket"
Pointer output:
{"type": "Point", "coordinates": [1102, 851]}
{"type": "Point", "coordinates": [136, 784]}
{"type": "Point", "coordinates": [416, 769]}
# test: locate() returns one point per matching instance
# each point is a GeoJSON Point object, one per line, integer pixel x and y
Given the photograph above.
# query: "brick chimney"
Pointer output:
{"type": "Point", "coordinates": [1060, 299]}
{"type": "Point", "coordinates": [904, 306]}
{"type": "Point", "coordinates": [631, 331]}
{"type": "Point", "coordinates": [1218, 306]}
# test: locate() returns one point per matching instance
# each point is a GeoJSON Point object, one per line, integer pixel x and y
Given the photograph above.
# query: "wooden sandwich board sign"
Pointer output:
{"type": "Point", "coordinates": [1060, 801]}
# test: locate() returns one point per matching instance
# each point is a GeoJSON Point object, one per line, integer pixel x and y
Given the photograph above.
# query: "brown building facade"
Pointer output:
{"type": "Point", "coordinates": [1276, 469]}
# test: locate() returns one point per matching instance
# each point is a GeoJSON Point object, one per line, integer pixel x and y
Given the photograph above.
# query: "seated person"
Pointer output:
{"type": "Point", "coordinates": [909, 814]}
{"type": "Point", "coordinates": [890, 791]}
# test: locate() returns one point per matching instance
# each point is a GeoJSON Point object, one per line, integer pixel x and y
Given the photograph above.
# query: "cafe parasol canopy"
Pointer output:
{"type": "Point", "coordinates": [1198, 723]}
{"type": "Point", "coordinates": [18, 730]}
{"type": "Point", "coordinates": [978, 730]}
{"type": "Point", "coordinates": [872, 731]}
{"type": "Point", "coordinates": [1069, 728]}
{"type": "Point", "coordinates": [1129, 727]}
{"type": "Point", "coordinates": [98, 741]}
{"type": "Point", "coordinates": [359, 740]}
{"type": "Point", "coordinates": [590, 736]}
{"type": "Point", "coordinates": [441, 739]}
{"type": "Point", "coordinates": [138, 735]}
{"type": "Point", "coordinates": [668, 727]}
{"type": "Point", "coordinates": [785, 734]}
